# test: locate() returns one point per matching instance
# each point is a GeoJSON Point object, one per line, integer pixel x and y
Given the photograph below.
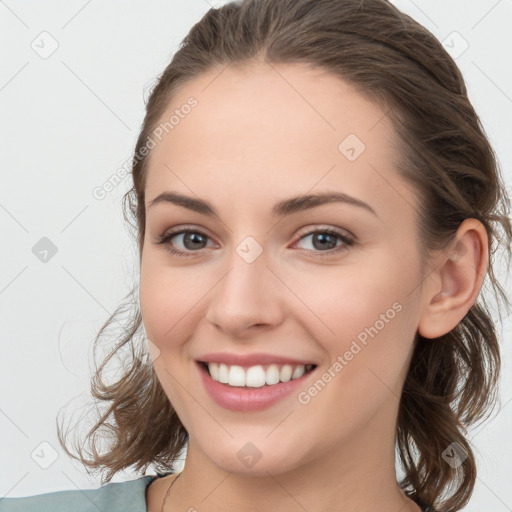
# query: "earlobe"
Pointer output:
{"type": "Point", "coordinates": [460, 273]}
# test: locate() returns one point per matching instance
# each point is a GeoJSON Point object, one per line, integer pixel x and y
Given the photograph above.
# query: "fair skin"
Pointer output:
{"type": "Point", "coordinates": [260, 135]}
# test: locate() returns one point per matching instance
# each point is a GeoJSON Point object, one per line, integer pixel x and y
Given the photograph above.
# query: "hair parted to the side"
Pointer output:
{"type": "Point", "coordinates": [391, 59]}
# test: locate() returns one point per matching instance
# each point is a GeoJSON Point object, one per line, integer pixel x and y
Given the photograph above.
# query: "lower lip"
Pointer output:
{"type": "Point", "coordinates": [248, 399]}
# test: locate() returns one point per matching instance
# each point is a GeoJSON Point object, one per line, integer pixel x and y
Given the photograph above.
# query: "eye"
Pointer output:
{"type": "Point", "coordinates": [323, 241]}
{"type": "Point", "coordinates": [192, 240]}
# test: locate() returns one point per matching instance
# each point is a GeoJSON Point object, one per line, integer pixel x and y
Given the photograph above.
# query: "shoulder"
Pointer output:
{"type": "Point", "coordinates": [127, 496]}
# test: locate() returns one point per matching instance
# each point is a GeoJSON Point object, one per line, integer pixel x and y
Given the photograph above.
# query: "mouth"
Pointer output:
{"type": "Point", "coordinates": [256, 376]}
{"type": "Point", "coordinates": [253, 388]}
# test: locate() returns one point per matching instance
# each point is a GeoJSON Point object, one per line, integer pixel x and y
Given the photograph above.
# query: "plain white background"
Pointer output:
{"type": "Point", "coordinates": [73, 80]}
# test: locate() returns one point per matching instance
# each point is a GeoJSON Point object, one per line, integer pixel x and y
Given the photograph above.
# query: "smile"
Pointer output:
{"type": "Point", "coordinates": [246, 388]}
{"type": "Point", "coordinates": [256, 376]}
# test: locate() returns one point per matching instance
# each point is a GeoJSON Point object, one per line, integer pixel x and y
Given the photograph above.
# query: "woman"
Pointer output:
{"type": "Point", "coordinates": [317, 207]}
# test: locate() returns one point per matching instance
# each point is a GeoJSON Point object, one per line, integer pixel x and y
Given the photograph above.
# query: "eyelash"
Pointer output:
{"type": "Point", "coordinates": [347, 242]}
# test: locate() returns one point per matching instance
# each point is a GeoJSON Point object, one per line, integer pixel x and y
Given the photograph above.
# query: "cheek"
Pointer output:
{"type": "Point", "coordinates": [346, 300]}
{"type": "Point", "coordinates": [365, 315]}
{"type": "Point", "coordinates": [362, 322]}
{"type": "Point", "coordinates": [169, 308]}
{"type": "Point", "coordinates": [168, 300]}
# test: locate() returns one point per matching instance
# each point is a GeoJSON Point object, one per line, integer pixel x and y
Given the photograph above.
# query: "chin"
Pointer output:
{"type": "Point", "coordinates": [254, 459]}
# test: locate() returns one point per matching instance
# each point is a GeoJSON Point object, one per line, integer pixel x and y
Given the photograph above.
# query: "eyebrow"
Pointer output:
{"type": "Point", "coordinates": [285, 207]}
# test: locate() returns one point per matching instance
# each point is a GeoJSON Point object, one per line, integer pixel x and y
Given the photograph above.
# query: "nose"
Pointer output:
{"type": "Point", "coordinates": [249, 296]}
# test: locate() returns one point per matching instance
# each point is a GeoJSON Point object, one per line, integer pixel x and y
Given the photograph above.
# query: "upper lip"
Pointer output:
{"type": "Point", "coordinates": [249, 359]}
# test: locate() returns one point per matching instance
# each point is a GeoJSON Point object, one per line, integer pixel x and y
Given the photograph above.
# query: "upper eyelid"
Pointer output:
{"type": "Point", "coordinates": [183, 230]}
{"type": "Point", "coordinates": [318, 228]}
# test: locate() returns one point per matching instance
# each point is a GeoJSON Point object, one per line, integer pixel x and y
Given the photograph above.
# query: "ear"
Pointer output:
{"type": "Point", "coordinates": [458, 280]}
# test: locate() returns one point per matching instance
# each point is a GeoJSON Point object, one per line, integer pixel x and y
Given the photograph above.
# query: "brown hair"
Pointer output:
{"type": "Point", "coordinates": [390, 58]}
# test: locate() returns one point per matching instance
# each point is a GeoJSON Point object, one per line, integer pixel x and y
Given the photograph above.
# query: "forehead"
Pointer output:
{"type": "Point", "coordinates": [263, 132]}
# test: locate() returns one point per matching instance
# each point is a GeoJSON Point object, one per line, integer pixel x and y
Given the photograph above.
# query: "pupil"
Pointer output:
{"type": "Point", "coordinates": [323, 237]}
{"type": "Point", "coordinates": [192, 237]}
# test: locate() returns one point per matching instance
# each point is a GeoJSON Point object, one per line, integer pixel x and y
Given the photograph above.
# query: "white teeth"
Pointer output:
{"type": "Point", "coordinates": [236, 376]}
{"type": "Point", "coordinates": [298, 372]}
{"type": "Point", "coordinates": [214, 371]}
{"type": "Point", "coordinates": [286, 373]}
{"type": "Point", "coordinates": [223, 373]}
{"type": "Point", "coordinates": [272, 375]}
{"type": "Point", "coordinates": [256, 376]}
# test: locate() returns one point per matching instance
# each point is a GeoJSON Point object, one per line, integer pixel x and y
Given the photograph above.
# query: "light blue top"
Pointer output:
{"type": "Point", "coordinates": [127, 496]}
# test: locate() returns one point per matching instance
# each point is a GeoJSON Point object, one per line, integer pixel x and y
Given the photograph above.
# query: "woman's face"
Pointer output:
{"type": "Point", "coordinates": [333, 284]}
